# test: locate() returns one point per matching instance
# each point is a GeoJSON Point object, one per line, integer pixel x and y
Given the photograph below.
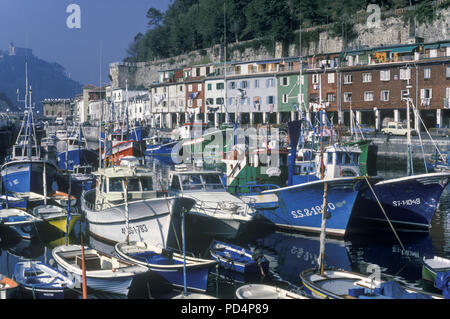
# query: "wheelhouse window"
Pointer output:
{"type": "Point", "coordinates": [133, 185]}
{"type": "Point", "coordinates": [147, 183]}
{"type": "Point", "coordinates": [115, 185]}
{"type": "Point", "coordinates": [191, 182]}
{"type": "Point", "coordinates": [212, 181]}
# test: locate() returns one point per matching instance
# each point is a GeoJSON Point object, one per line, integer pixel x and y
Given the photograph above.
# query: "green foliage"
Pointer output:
{"type": "Point", "coordinates": [190, 25]}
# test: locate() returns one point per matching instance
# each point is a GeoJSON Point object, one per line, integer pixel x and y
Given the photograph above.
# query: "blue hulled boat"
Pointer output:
{"type": "Point", "coordinates": [300, 206]}
{"type": "Point", "coordinates": [166, 149]}
{"type": "Point", "coordinates": [43, 281]}
{"type": "Point", "coordinates": [168, 264]}
{"type": "Point", "coordinates": [238, 258]}
{"type": "Point", "coordinates": [76, 153]}
{"type": "Point", "coordinates": [23, 171]}
{"type": "Point", "coordinates": [409, 201]}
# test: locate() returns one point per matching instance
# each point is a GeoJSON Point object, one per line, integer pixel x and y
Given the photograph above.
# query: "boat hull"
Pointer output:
{"type": "Point", "coordinates": [161, 149]}
{"type": "Point", "coordinates": [47, 282]}
{"type": "Point", "coordinates": [299, 207]}
{"type": "Point", "coordinates": [238, 259]}
{"type": "Point", "coordinates": [27, 176]}
{"type": "Point", "coordinates": [409, 202]}
{"type": "Point", "coordinates": [61, 223]}
{"type": "Point", "coordinates": [122, 149]}
{"type": "Point", "coordinates": [171, 269]}
{"type": "Point", "coordinates": [429, 271]}
{"type": "Point", "coordinates": [77, 157]}
{"type": "Point", "coordinates": [196, 277]}
{"type": "Point", "coordinates": [149, 220]}
{"type": "Point", "coordinates": [108, 279]}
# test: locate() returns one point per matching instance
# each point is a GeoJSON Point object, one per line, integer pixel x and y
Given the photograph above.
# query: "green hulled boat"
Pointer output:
{"type": "Point", "coordinates": [432, 266]}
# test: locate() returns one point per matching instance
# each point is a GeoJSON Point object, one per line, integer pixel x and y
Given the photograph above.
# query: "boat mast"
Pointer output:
{"type": "Point", "coordinates": [225, 63]}
{"type": "Point", "coordinates": [127, 217]}
{"type": "Point", "coordinates": [409, 166]}
{"type": "Point", "coordinates": [44, 182]}
{"type": "Point", "coordinates": [184, 252]}
{"type": "Point", "coordinates": [324, 206]}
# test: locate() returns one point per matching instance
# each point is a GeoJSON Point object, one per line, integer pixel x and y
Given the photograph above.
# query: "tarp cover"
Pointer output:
{"type": "Point", "coordinates": [394, 290]}
{"type": "Point", "coordinates": [442, 282]}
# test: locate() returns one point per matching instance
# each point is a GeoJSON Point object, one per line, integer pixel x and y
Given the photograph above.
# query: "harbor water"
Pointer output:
{"type": "Point", "coordinates": [288, 253]}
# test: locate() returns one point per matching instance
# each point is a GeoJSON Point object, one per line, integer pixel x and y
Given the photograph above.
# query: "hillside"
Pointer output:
{"type": "Point", "coordinates": [48, 80]}
{"type": "Point", "coordinates": [190, 25]}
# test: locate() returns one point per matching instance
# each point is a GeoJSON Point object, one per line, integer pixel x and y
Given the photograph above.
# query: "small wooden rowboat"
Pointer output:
{"type": "Point", "coordinates": [103, 271]}
{"type": "Point", "coordinates": [257, 291]}
{"type": "Point", "coordinates": [43, 281]}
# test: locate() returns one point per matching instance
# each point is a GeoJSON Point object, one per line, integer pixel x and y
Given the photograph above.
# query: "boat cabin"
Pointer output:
{"type": "Point", "coordinates": [21, 152]}
{"type": "Point", "coordinates": [114, 181]}
{"type": "Point", "coordinates": [61, 134]}
{"type": "Point", "coordinates": [339, 161]}
{"type": "Point", "coordinates": [74, 143]}
{"type": "Point", "coordinates": [193, 180]}
{"type": "Point", "coordinates": [157, 140]}
{"type": "Point", "coordinates": [82, 169]}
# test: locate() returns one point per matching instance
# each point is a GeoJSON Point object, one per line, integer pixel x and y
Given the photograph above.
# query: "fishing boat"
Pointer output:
{"type": "Point", "coordinates": [43, 281]}
{"type": "Point", "coordinates": [103, 271]}
{"type": "Point", "coordinates": [168, 264]}
{"type": "Point", "coordinates": [61, 135]}
{"type": "Point", "coordinates": [125, 199]}
{"type": "Point", "coordinates": [238, 259]}
{"type": "Point", "coordinates": [341, 284]}
{"type": "Point", "coordinates": [431, 266]}
{"type": "Point", "coordinates": [24, 224]}
{"type": "Point", "coordinates": [120, 148]}
{"type": "Point", "coordinates": [22, 172]}
{"type": "Point", "coordinates": [260, 291]}
{"type": "Point", "coordinates": [408, 202]}
{"type": "Point", "coordinates": [80, 179]}
{"type": "Point", "coordinates": [48, 144]}
{"type": "Point", "coordinates": [8, 287]}
{"type": "Point", "coordinates": [153, 145]}
{"type": "Point", "coordinates": [327, 283]}
{"type": "Point", "coordinates": [57, 217]}
{"type": "Point", "coordinates": [75, 152]}
{"type": "Point", "coordinates": [216, 211]}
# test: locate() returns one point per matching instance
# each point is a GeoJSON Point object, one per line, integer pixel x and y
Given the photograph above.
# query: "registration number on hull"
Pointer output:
{"type": "Point", "coordinates": [316, 210]}
{"type": "Point", "coordinates": [406, 202]}
{"type": "Point", "coordinates": [135, 229]}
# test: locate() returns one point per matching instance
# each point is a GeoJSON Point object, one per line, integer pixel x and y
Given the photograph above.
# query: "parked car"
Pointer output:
{"type": "Point", "coordinates": [440, 131]}
{"type": "Point", "coordinates": [397, 128]}
{"type": "Point", "coordinates": [59, 121]}
{"type": "Point", "coordinates": [364, 128]}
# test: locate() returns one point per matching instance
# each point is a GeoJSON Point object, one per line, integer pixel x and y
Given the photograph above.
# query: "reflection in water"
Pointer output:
{"type": "Point", "coordinates": [289, 254]}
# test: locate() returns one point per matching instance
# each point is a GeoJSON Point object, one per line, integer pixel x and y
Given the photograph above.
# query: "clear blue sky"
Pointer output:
{"type": "Point", "coordinates": [107, 29]}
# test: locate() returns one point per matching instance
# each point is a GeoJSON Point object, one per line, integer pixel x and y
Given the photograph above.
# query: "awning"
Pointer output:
{"type": "Point", "coordinates": [431, 46]}
{"type": "Point", "coordinates": [354, 53]}
{"type": "Point", "coordinates": [405, 49]}
{"type": "Point", "coordinates": [268, 62]}
{"type": "Point", "coordinates": [383, 50]}
{"type": "Point", "coordinates": [445, 45]}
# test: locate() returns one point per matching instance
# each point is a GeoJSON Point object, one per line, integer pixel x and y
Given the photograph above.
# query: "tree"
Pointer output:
{"type": "Point", "coordinates": [155, 17]}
